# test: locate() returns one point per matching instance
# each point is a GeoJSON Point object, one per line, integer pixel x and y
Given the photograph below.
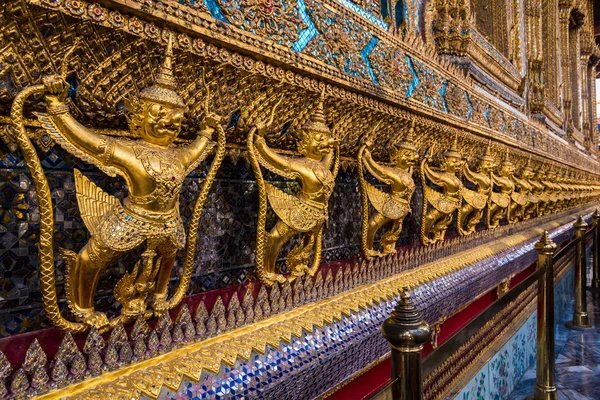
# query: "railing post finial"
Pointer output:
{"type": "Point", "coordinates": [407, 332]}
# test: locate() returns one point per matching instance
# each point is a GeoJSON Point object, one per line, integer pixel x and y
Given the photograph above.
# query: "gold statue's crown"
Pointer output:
{"type": "Point", "coordinates": [488, 153]}
{"type": "Point", "coordinates": [317, 121]}
{"type": "Point", "coordinates": [453, 150]}
{"type": "Point", "coordinates": [527, 166]}
{"type": "Point", "coordinates": [164, 89]}
{"type": "Point", "coordinates": [408, 142]}
{"type": "Point", "coordinates": [506, 160]}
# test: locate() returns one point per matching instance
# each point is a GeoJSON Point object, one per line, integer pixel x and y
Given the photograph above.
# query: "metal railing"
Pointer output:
{"type": "Point", "coordinates": [407, 332]}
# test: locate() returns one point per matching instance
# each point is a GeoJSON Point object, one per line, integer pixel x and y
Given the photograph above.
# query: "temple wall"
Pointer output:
{"type": "Point", "coordinates": [452, 84]}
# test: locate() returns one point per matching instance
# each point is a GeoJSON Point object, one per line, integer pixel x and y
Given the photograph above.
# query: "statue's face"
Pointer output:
{"type": "Point", "coordinates": [452, 164]}
{"type": "Point", "coordinates": [405, 158]}
{"type": "Point", "coordinates": [485, 166]}
{"type": "Point", "coordinates": [539, 175]}
{"type": "Point", "coordinates": [507, 170]}
{"type": "Point", "coordinates": [161, 124]}
{"type": "Point", "coordinates": [526, 173]}
{"type": "Point", "coordinates": [318, 144]}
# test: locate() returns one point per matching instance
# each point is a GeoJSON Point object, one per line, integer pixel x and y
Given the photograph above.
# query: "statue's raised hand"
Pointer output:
{"type": "Point", "coordinates": [210, 124]}
{"type": "Point", "coordinates": [263, 126]}
{"type": "Point", "coordinates": [56, 88]}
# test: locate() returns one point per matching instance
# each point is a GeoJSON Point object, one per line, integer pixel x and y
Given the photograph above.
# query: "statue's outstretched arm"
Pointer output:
{"type": "Point", "coordinates": [195, 152]}
{"type": "Point", "coordinates": [86, 140]}
{"type": "Point", "coordinates": [435, 177]}
{"type": "Point", "coordinates": [468, 173]}
{"type": "Point", "coordinates": [276, 161]}
{"type": "Point", "coordinates": [81, 137]}
{"type": "Point", "coordinates": [377, 170]}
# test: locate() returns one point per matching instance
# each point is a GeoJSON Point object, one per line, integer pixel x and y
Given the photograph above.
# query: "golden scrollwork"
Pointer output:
{"type": "Point", "coordinates": [500, 200]}
{"type": "Point", "coordinates": [153, 169]}
{"type": "Point", "coordinates": [438, 208]}
{"type": "Point", "coordinates": [305, 213]}
{"type": "Point", "coordinates": [474, 201]}
{"type": "Point", "coordinates": [390, 208]}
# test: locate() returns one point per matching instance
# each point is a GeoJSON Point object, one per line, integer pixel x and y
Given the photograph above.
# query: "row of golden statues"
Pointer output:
{"type": "Point", "coordinates": [154, 170]}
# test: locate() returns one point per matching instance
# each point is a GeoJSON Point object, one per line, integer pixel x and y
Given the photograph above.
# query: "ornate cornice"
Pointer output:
{"type": "Point", "coordinates": [280, 63]}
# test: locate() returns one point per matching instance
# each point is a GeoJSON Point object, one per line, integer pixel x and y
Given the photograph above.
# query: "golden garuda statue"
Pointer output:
{"type": "Point", "coordinates": [390, 208]}
{"type": "Point", "coordinates": [526, 206]}
{"type": "Point", "coordinates": [474, 202]}
{"type": "Point", "coordinates": [539, 196]}
{"type": "Point", "coordinates": [500, 201]}
{"type": "Point", "coordinates": [304, 213]}
{"type": "Point", "coordinates": [154, 169]}
{"type": "Point", "coordinates": [439, 207]}
{"type": "Point", "coordinates": [562, 191]}
{"type": "Point", "coordinates": [551, 191]}
{"type": "Point", "coordinates": [520, 195]}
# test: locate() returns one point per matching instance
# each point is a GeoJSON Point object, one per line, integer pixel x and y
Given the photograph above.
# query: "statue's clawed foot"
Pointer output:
{"type": "Point", "coordinates": [370, 253]}
{"type": "Point", "coordinates": [97, 320]}
{"type": "Point", "coordinates": [160, 305]}
{"type": "Point", "coordinates": [273, 277]}
{"type": "Point", "coordinates": [387, 252]}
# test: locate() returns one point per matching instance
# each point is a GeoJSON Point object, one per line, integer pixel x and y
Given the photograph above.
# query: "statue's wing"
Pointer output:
{"type": "Point", "coordinates": [377, 197]}
{"type": "Point", "coordinates": [474, 199]}
{"type": "Point", "coordinates": [443, 204]}
{"type": "Point", "coordinates": [519, 198]}
{"type": "Point", "coordinates": [94, 203]}
{"type": "Point", "coordinates": [387, 205]}
{"type": "Point", "coordinates": [209, 147]}
{"type": "Point", "coordinates": [292, 211]}
{"type": "Point", "coordinates": [54, 132]}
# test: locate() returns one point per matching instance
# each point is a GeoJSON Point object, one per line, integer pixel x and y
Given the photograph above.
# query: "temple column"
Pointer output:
{"type": "Point", "coordinates": [533, 11]}
{"type": "Point", "coordinates": [585, 121]}
{"type": "Point", "coordinates": [565, 92]}
{"type": "Point", "coordinates": [575, 75]}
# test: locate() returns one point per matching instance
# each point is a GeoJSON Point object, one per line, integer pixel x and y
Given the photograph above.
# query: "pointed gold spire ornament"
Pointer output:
{"type": "Point", "coordinates": [317, 121]}
{"type": "Point", "coordinates": [164, 89]}
{"type": "Point", "coordinates": [453, 151]}
{"type": "Point", "coordinates": [487, 156]}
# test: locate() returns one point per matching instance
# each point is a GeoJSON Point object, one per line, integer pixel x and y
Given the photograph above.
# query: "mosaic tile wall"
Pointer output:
{"type": "Point", "coordinates": [501, 374]}
{"type": "Point", "coordinates": [226, 242]}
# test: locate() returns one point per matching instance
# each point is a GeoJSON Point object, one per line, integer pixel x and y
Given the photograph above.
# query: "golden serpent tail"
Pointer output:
{"type": "Point", "coordinates": [423, 206]}
{"type": "Point", "coordinates": [364, 202]}
{"type": "Point", "coordinates": [192, 237]}
{"type": "Point", "coordinates": [42, 188]}
{"type": "Point", "coordinates": [318, 248]}
{"type": "Point", "coordinates": [262, 211]}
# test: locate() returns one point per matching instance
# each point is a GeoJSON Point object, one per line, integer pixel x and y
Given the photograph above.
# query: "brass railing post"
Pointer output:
{"type": "Point", "coordinates": [596, 252]}
{"type": "Point", "coordinates": [545, 385]}
{"type": "Point", "coordinates": [580, 314]}
{"type": "Point", "coordinates": [407, 332]}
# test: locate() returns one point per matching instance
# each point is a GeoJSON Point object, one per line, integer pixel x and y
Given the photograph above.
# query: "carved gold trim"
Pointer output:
{"type": "Point", "coordinates": [489, 64]}
{"type": "Point", "coordinates": [148, 377]}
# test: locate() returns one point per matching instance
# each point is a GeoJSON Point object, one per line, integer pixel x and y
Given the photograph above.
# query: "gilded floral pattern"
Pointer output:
{"type": "Point", "coordinates": [278, 20]}
{"type": "Point", "coordinates": [390, 67]}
